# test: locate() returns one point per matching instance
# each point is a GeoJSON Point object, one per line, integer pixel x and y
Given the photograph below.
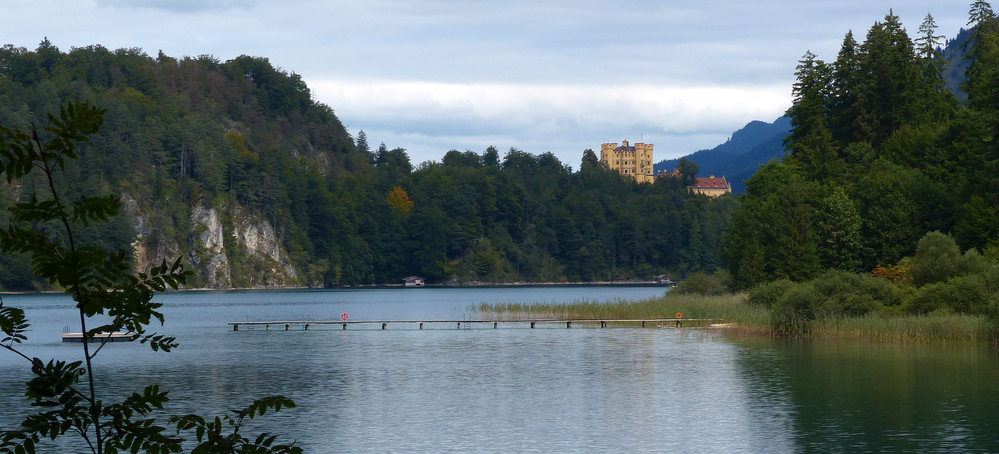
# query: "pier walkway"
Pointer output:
{"type": "Point", "coordinates": [469, 324]}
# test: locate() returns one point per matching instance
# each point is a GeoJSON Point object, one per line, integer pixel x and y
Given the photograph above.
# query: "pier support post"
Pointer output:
{"type": "Point", "coordinates": [603, 323]}
{"type": "Point", "coordinates": [267, 327]}
{"type": "Point", "coordinates": [532, 325]}
{"type": "Point", "coordinates": [345, 327]}
{"type": "Point", "coordinates": [643, 323]}
{"type": "Point", "coordinates": [235, 326]}
{"type": "Point", "coordinates": [286, 327]}
{"type": "Point", "coordinates": [421, 325]}
{"type": "Point", "coordinates": [494, 325]}
{"type": "Point", "coordinates": [383, 326]}
{"type": "Point", "coordinates": [568, 324]}
{"type": "Point", "coordinates": [459, 325]}
{"type": "Point", "coordinates": [306, 326]}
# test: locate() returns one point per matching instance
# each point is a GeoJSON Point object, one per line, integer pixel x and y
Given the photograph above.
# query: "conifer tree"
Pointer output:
{"type": "Point", "coordinates": [811, 92]}
{"type": "Point", "coordinates": [980, 14]}
{"type": "Point", "coordinates": [928, 50]}
{"type": "Point", "coordinates": [982, 77]}
{"type": "Point", "coordinates": [843, 112]}
{"type": "Point", "coordinates": [890, 81]}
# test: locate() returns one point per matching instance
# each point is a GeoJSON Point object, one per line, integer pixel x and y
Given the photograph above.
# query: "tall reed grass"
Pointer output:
{"type": "Point", "coordinates": [729, 308]}
{"type": "Point", "coordinates": [753, 319]}
{"type": "Point", "coordinates": [934, 327]}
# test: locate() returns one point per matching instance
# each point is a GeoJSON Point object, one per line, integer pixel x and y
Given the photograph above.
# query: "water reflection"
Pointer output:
{"type": "Point", "coordinates": [850, 397]}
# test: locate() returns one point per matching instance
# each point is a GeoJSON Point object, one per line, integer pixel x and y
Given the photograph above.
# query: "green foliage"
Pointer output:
{"type": "Point", "coordinates": [795, 311]}
{"type": "Point", "coordinates": [880, 154]}
{"type": "Point", "coordinates": [769, 293]}
{"type": "Point", "coordinates": [964, 295]}
{"type": "Point", "coordinates": [937, 259]}
{"type": "Point", "coordinates": [837, 229]}
{"type": "Point", "coordinates": [45, 227]}
{"type": "Point", "coordinates": [212, 437]}
{"type": "Point", "coordinates": [703, 284]}
{"type": "Point", "coordinates": [773, 234]}
{"type": "Point", "coordinates": [832, 294]}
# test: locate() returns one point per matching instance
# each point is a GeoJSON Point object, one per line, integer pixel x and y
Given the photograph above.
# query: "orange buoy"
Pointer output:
{"type": "Point", "coordinates": [679, 315]}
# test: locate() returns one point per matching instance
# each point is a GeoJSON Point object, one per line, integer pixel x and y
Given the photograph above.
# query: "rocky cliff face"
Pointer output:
{"type": "Point", "coordinates": [256, 236]}
{"type": "Point", "coordinates": [208, 256]}
{"type": "Point", "coordinates": [228, 249]}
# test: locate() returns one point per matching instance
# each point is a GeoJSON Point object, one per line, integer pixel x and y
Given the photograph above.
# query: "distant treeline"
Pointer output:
{"type": "Point", "coordinates": [182, 132]}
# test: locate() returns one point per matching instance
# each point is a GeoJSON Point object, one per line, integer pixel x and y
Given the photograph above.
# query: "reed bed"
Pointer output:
{"type": "Point", "coordinates": [720, 309]}
{"type": "Point", "coordinates": [749, 319]}
{"type": "Point", "coordinates": [945, 328]}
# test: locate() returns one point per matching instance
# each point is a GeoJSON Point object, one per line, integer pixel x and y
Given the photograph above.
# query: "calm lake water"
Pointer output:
{"type": "Point", "coordinates": [549, 389]}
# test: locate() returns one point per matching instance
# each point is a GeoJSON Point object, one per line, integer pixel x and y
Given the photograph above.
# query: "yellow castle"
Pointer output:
{"type": "Point", "coordinates": [632, 160]}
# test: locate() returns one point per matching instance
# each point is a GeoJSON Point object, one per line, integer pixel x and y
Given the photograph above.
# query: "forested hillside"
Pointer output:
{"type": "Point", "coordinates": [235, 167]}
{"type": "Point", "coordinates": [881, 153]}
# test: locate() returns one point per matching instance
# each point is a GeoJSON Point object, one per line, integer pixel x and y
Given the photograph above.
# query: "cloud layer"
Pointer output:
{"type": "Point", "coordinates": [564, 119]}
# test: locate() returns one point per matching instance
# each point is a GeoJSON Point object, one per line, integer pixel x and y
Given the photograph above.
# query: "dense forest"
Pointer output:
{"type": "Point", "coordinates": [880, 154]}
{"type": "Point", "coordinates": [186, 135]}
{"type": "Point", "coordinates": [889, 177]}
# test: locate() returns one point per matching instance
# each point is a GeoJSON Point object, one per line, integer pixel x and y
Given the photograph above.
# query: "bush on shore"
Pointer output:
{"type": "Point", "coordinates": [703, 284]}
{"type": "Point", "coordinates": [942, 281]}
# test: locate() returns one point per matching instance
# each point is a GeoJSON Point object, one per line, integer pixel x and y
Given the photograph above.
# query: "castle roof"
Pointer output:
{"type": "Point", "coordinates": [711, 182]}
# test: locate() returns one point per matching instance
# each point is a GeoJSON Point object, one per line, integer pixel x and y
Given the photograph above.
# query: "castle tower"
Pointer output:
{"type": "Point", "coordinates": [632, 160]}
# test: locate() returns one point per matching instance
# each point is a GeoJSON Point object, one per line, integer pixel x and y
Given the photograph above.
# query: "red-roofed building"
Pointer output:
{"type": "Point", "coordinates": [711, 186]}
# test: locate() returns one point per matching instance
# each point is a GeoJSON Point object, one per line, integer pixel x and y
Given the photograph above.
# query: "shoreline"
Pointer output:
{"type": "Point", "coordinates": [390, 286]}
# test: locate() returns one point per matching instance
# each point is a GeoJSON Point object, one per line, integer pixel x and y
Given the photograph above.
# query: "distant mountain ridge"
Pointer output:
{"type": "Point", "coordinates": [738, 158]}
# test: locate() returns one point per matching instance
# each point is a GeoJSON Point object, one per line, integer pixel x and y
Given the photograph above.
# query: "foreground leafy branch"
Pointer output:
{"type": "Point", "coordinates": [103, 284]}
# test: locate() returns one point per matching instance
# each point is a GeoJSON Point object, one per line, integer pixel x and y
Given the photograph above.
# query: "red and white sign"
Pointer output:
{"type": "Point", "coordinates": [344, 316]}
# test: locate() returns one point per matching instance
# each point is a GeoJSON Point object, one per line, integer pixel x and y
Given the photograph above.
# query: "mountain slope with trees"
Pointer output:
{"type": "Point", "coordinates": [233, 166]}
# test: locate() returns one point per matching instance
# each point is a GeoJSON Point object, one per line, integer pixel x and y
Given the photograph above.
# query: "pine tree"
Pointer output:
{"type": "Point", "coordinates": [982, 77]}
{"type": "Point", "coordinates": [980, 14]}
{"type": "Point", "coordinates": [929, 53]}
{"type": "Point", "coordinates": [811, 92]}
{"type": "Point", "coordinates": [890, 81]}
{"type": "Point", "coordinates": [362, 146]}
{"type": "Point", "coordinates": [843, 106]}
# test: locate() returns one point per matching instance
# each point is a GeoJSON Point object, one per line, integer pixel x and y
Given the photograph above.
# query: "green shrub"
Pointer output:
{"type": "Point", "coordinates": [795, 310]}
{"type": "Point", "coordinates": [972, 262]}
{"type": "Point", "coordinates": [937, 259]}
{"type": "Point", "coordinates": [851, 294]}
{"type": "Point", "coordinates": [767, 293]}
{"type": "Point", "coordinates": [704, 284]}
{"type": "Point", "coordinates": [991, 277]}
{"type": "Point", "coordinates": [832, 294]}
{"type": "Point", "coordinates": [964, 295]}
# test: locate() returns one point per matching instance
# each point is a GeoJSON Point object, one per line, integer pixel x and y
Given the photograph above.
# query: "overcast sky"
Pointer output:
{"type": "Point", "coordinates": [558, 76]}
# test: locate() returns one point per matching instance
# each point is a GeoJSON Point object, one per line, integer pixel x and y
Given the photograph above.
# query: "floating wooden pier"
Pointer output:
{"type": "Point", "coordinates": [469, 324]}
{"type": "Point", "coordinates": [99, 337]}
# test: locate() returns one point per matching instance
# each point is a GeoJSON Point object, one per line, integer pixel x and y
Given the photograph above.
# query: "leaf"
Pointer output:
{"type": "Point", "coordinates": [95, 209]}
{"type": "Point", "coordinates": [13, 324]}
{"type": "Point", "coordinates": [35, 211]}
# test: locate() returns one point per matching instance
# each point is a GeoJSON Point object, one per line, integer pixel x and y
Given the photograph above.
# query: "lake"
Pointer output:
{"type": "Point", "coordinates": [517, 389]}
